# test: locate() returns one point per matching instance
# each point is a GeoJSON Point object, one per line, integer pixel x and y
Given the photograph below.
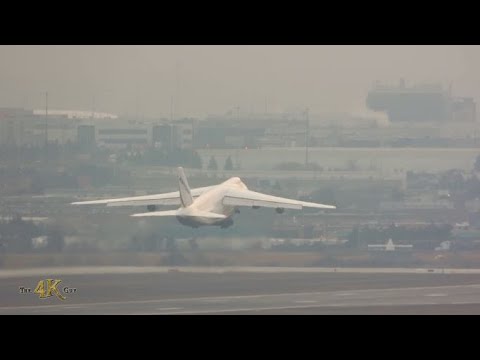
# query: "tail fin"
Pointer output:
{"type": "Point", "coordinates": [184, 189]}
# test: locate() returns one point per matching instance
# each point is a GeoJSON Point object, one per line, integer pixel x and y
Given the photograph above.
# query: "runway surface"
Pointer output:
{"type": "Point", "coordinates": [243, 291]}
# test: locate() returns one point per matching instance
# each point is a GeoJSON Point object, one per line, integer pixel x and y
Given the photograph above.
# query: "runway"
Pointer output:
{"type": "Point", "coordinates": [245, 292]}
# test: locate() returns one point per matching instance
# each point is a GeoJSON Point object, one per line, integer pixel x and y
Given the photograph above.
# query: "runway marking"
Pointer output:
{"type": "Point", "coordinates": [344, 294]}
{"type": "Point", "coordinates": [435, 295]}
{"type": "Point", "coordinates": [462, 302]}
{"type": "Point", "coordinates": [169, 308]}
{"type": "Point", "coordinates": [306, 301]}
{"type": "Point", "coordinates": [144, 313]}
{"type": "Point", "coordinates": [243, 309]}
{"type": "Point", "coordinates": [383, 304]}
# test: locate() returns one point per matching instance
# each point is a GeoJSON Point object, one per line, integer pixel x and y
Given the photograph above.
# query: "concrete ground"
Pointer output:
{"type": "Point", "coordinates": [119, 290]}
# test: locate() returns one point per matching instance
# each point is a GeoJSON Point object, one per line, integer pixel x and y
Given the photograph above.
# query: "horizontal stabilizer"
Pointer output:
{"type": "Point", "coordinates": [207, 214]}
{"type": "Point", "coordinates": [157, 213]}
{"type": "Point", "coordinates": [196, 213]}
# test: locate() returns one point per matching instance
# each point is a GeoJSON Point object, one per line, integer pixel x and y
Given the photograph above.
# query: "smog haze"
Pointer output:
{"type": "Point", "coordinates": [201, 80]}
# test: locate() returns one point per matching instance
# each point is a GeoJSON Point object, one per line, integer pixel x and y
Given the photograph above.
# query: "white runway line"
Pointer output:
{"type": "Point", "coordinates": [213, 311]}
{"type": "Point", "coordinates": [462, 302]}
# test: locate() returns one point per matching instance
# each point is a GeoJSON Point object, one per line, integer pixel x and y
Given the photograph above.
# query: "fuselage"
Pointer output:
{"type": "Point", "coordinates": [211, 201]}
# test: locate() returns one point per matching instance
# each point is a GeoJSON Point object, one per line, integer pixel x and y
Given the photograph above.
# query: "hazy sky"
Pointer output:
{"type": "Point", "coordinates": [215, 79]}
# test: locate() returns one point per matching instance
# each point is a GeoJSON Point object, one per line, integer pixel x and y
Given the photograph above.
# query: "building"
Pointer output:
{"type": "Point", "coordinates": [12, 126]}
{"type": "Point", "coordinates": [420, 103]}
{"type": "Point", "coordinates": [20, 127]}
{"type": "Point", "coordinates": [75, 114]}
{"type": "Point", "coordinates": [174, 135]}
{"type": "Point", "coordinates": [122, 133]}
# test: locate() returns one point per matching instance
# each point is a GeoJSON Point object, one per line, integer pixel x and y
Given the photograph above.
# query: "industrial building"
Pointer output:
{"type": "Point", "coordinates": [420, 103]}
{"type": "Point", "coordinates": [20, 127]}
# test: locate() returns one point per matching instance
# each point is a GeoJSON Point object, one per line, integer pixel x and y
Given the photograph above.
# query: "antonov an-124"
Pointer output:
{"type": "Point", "coordinates": [211, 205]}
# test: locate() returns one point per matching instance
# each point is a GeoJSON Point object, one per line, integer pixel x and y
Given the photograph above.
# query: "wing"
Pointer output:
{"type": "Point", "coordinates": [172, 198]}
{"type": "Point", "coordinates": [252, 198]}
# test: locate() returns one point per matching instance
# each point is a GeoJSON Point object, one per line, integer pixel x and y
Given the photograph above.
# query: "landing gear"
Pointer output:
{"type": "Point", "coordinates": [193, 243]}
{"type": "Point", "coordinates": [227, 223]}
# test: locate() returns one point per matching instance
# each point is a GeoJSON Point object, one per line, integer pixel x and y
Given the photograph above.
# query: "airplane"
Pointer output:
{"type": "Point", "coordinates": [211, 205]}
{"type": "Point", "coordinates": [389, 246]}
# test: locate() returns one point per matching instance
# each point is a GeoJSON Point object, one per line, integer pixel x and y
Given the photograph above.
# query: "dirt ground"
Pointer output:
{"type": "Point", "coordinates": [467, 259]}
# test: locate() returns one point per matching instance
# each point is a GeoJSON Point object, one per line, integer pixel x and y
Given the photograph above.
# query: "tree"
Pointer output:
{"type": "Point", "coordinates": [289, 166]}
{"type": "Point", "coordinates": [212, 164]}
{"type": "Point", "coordinates": [228, 164]}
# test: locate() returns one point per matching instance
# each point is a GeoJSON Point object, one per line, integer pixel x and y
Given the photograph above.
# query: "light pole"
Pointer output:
{"type": "Point", "coordinates": [46, 118]}
{"type": "Point", "coordinates": [307, 128]}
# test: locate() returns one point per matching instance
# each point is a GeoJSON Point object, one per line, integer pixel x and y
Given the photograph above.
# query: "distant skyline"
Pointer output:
{"type": "Point", "coordinates": [202, 80]}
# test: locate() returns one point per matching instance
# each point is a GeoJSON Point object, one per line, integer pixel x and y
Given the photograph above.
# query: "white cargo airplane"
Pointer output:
{"type": "Point", "coordinates": [211, 205]}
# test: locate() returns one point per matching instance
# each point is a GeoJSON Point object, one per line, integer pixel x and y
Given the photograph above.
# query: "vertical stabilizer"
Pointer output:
{"type": "Point", "coordinates": [184, 189]}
